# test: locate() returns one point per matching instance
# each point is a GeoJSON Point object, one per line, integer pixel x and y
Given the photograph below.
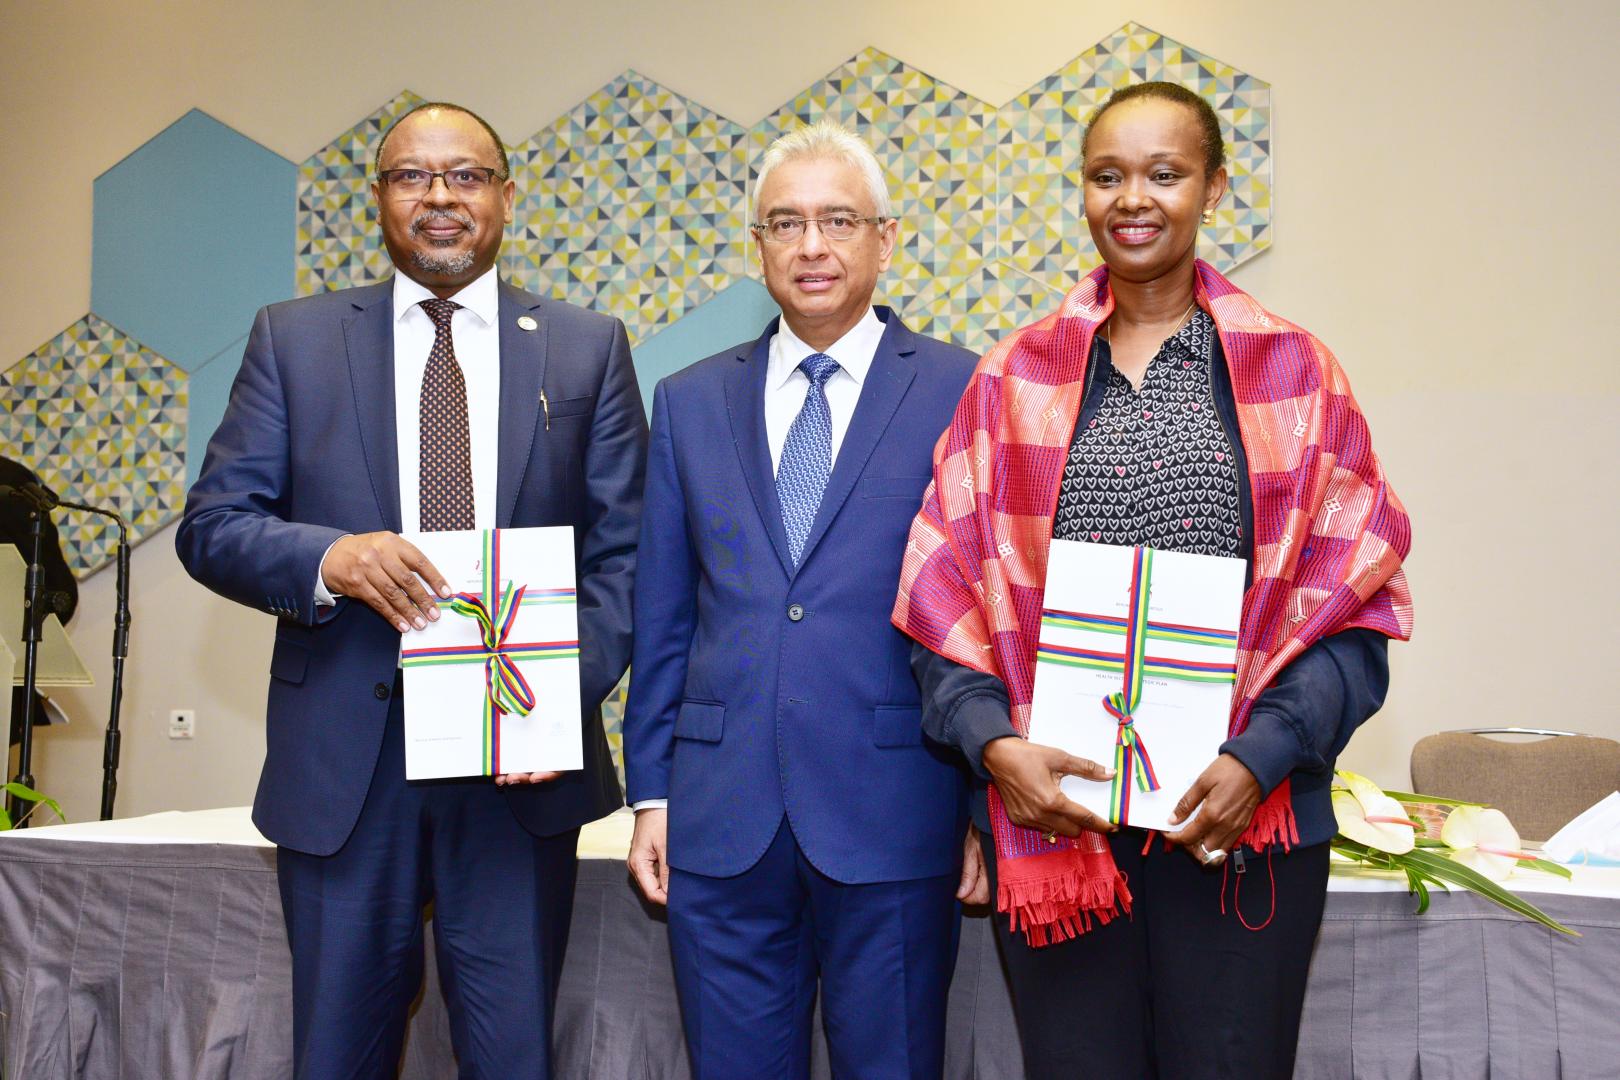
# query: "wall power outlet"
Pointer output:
{"type": "Point", "coordinates": [182, 723]}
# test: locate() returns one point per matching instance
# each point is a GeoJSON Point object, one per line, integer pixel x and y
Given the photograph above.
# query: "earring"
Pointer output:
{"type": "Point", "coordinates": [1208, 217]}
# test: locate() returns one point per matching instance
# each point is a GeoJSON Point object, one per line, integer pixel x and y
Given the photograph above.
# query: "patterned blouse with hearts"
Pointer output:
{"type": "Point", "coordinates": [1154, 466]}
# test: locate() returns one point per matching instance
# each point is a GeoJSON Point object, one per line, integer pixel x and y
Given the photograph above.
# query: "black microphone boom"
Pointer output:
{"type": "Point", "coordinates": [36, 604]}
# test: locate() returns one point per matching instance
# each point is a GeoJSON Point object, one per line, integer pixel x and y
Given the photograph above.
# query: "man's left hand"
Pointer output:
{"type": "Point", "coordinates": [515, 778]}
{"type": "Point", "coordinates": [1230, 794]}
{"type": "Point", "coordinates": [975, 886]}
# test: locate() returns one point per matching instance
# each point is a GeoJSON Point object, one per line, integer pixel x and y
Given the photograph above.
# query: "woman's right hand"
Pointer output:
{"type": "Point", "coordinates": [1027, 775]}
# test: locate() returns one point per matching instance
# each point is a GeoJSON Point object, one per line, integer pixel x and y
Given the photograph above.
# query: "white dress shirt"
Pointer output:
{"type": "Point", "coordinates": [786, 387]}
{"type": "Point", "coordinates": [476, 334]}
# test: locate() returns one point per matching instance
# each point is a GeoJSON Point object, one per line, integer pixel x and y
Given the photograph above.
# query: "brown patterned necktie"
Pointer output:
{"type": "Point", "coordinates": [446, 450]}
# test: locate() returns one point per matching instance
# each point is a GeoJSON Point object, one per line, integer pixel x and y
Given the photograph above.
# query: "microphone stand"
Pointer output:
{"type": "Point", "coordinates": [120, 651]}
{"type": "Point", "coordinates": [32, 620]}
{"type": "Point", "coordinates": [41, 501]}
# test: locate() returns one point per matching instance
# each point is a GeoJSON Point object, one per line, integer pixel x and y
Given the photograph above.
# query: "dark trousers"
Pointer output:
{"type": "Point", "coordinates": [1176, 989]}
{"type": "Point", "coordinates": [502, 899]}
{"type": "Point", "coordinates": [748, 949]}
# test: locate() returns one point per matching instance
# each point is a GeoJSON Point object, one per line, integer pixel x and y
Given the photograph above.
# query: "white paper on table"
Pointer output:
{"type": "Point", "coordinates": [1182, 723]}
{"type": "Point", "coordinates": [1593, 836]}
{"type": "Point", "coordinates": [446, 733]}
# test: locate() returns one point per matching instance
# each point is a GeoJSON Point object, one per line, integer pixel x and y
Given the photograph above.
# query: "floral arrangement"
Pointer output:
{"type": "Point", "coordinates": [1438, 841]}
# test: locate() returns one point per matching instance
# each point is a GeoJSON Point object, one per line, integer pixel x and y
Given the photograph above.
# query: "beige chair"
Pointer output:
{"type": "Point", "coordinates": [1540, 785]}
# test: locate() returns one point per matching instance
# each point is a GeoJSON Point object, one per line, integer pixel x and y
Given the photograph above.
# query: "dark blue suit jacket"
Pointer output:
{"type": "Point", "coordinates": [306, 453]}
{"type": "Point", "coordinates": [757, 690]}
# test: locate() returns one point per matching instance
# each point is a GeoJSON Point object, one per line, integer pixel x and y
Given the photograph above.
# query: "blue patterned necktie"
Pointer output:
{"type": "Point", "coordinates": [801, 476]}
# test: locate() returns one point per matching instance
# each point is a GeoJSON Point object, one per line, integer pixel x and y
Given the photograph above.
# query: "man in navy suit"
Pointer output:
{"type": "Point", "coordinates": [788, 809]}
{"type": "Point", "coordinates": [442, 399]}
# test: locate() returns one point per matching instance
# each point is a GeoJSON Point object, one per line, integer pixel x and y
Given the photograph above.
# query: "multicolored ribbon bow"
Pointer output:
{"type": "Point", "coordinates": [1130, 752]}
{"type": "Point", "coordinates": [506, 691]}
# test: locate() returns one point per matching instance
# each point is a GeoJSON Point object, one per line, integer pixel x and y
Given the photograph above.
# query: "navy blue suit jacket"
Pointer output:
{"type": "Point", "coordinates": [757, 690]}
{"type": "Point", "coordinates": [307, 452]}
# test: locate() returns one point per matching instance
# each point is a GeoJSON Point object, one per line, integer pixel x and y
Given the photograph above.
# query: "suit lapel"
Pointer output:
{"type": "Point", "coordinates": [745, 405]}
{"type": "Point", "coordinates": [886, 383]}
{"type": "Point", "coordinates": [523, 371]}
{"type": "Point", "coordinates": [368, 338]}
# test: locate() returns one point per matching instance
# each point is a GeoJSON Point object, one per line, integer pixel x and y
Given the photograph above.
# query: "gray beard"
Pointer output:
{"type": "Point", "coordinates": [443, 264]}
{"type": "Point", "coordinates": [446, 264]}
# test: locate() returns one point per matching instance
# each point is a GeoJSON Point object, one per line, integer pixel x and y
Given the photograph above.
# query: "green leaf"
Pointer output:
{"type": "Point", "coordinates": [1424, 841]}
{"type": "Point", "coordinates": [5, 820]}
{"type": "Point", "coordinates": [1408, 796]}
{"type": "Point", "coordinates": [28, 794]}
{"type": "Point", "coordinates": [1443, 868]}
{"type": "Point", "coordinates": [1355, 849]}
{"type": "Point", "coordinates": [1423, 865]}
{"type": "Point", "coordinates": [1415, 880]}
{"type": "Point", "coordinates": [1546, 866]}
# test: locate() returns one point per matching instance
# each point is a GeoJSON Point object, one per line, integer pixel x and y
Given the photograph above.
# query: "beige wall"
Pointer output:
{"type": "Point", "coordinates": [1445, 220]}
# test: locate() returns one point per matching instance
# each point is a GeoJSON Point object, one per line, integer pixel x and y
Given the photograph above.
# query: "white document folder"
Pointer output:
{"type": "Point", "coordinates": [466, 687]}
{"type": "Point", "coordinates": [1184, 629]}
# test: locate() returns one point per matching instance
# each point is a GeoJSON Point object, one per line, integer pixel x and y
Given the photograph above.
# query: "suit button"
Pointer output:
{"type": "Point", "coordinates": [795, 612]}
{"type": "Point", "coordinates": [381, 690]}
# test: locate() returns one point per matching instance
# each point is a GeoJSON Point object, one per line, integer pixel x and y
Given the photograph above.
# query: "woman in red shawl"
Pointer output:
{"type": "Point", "coordinates": [1162, 407]}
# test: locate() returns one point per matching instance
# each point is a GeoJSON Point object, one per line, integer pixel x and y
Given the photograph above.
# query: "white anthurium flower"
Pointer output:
{"type": "Point", "coordinates": [1368, 816]}
{"type": "Point", "coordinates": [1483, 839]}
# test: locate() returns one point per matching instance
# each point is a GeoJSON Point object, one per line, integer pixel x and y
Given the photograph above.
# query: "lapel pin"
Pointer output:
{"type": "Point", "coordinates": [526, 322]}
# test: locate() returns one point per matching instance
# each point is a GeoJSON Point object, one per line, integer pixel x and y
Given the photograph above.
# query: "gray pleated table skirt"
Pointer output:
{"type": "Point", "coordinates": [170, 961]}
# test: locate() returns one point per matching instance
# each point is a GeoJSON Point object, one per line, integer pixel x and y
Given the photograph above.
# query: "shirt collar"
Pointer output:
{"type": "Point", "coordinates": [1192, 338]}
{"type": "Point", "coordinates": [854, 351]}
{"type": "Point", "coordinates": [481, 296]}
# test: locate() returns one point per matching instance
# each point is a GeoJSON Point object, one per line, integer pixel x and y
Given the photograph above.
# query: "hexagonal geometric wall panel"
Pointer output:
{"type": "Point", "coordinates": [634, 203]}
{"type": "Point", "coordinates": [338, 243]}
{"type": "Point", "coordinates": [630, 204]}
{"type": "Point", "coordinates": [191, 238]}
{"type": "Point", "coordinates": [1040, 222]}
{"type": "Point", "coordinates": [933, 143]}
{"type": "Point", "coordinates": [102, 419]}
{"type": "Point", "coordinates": [981, 308]}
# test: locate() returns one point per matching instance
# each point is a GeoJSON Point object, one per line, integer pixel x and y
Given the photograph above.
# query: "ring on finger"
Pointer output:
{"type": "Point", "coordinates": [1212, 858]}
{"type": "Point", "coordinates": [1051, 838]}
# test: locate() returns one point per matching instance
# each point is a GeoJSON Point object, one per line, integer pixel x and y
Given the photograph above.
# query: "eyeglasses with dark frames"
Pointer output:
{"type": "Point", "coordinates": [414, 183]}
{"type": "Point", "coordinates": [785, 230]}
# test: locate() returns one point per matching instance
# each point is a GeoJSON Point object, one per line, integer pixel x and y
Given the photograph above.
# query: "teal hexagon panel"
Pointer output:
{"type": "Point", "coordinates": [190, 238]}
{"type": "Point", "coordinates": [102, 420]}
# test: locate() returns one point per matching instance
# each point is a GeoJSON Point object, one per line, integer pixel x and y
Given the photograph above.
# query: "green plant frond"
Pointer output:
{"type": "Point", "coordinates": [1546, 866]}
{"type": "Point", "coordinates": [28, 794]}
{"type": "Point", "coordinates": [1409, 796]}
{"type": "Point", "coordinates": [1443, 868]}
{"type": "Point", "coordinates": [1420, 865]}
{"type": "Point", "coordinates": [1415, 881]}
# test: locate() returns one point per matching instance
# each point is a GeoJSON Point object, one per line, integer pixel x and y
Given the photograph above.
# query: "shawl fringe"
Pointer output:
{"type": "Point", "coordinates": [1056, 902]}
{"type": "Point", "coordinates": [1273, 821]}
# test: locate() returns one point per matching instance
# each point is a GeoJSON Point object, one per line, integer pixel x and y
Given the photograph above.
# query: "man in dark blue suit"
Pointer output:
{"type": "Point", "coordinates": [442, 399]}
{"type": "Point", "coordinates": [788, 809]}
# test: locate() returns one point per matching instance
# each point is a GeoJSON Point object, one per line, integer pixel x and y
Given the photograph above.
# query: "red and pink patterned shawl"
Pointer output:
{"type": "Point", "coordinates": [1329, 538]}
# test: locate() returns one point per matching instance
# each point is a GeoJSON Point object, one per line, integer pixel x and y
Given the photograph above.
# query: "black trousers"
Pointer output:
{"type": "Point", "coordinates": [1176, 990]}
